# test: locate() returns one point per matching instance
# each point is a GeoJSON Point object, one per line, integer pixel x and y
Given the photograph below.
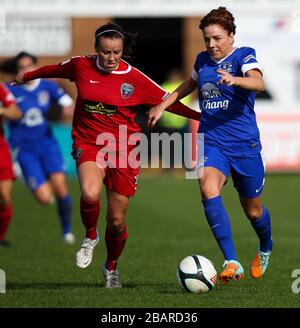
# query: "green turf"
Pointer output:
{"type": "Point", "coordinates": [165, 223]}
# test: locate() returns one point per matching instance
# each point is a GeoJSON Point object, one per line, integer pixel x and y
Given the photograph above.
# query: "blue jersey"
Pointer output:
{"type": "Point", "coordinates": [228, 119]}
{"type": "Point", "coordinates": [35, 101]}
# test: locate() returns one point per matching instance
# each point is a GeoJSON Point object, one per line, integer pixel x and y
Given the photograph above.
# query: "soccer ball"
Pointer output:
{"type": "Point", "coordinates": [196, 274]}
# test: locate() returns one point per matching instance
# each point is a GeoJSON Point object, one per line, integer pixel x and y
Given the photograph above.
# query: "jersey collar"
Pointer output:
{"type": "Point", "coordinates": [128, 69]}
{"type": "Point", "coordinates": [220, 61]}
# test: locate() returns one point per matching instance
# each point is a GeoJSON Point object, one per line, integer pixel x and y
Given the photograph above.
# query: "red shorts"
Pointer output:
{"type": "Point", "coordinates": [120, 178]}
{"type": "Point", "coordinates": [6, 166]}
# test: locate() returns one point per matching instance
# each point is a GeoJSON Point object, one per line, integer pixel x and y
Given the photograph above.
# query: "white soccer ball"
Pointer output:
{"type": "Point", "coordinates": [196, 274]}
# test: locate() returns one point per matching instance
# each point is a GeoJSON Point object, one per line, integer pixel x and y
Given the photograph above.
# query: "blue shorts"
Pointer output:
{"type": "Point", "coordinates": [248, 173]}
{"type": "Point", "coordinates": [40, 161]}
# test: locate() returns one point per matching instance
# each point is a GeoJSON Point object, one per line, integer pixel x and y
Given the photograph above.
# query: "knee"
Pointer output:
{"type": "Point", "coordinates": [209, 190]}
{"type": "Point", "coordinates": [91, 194]}
{"type": "Point", "coordinates": [116, 223]}
{"type": "Point", "coordinates": [5, 200]}
{"type": "Point", "coordinates": [254, 213]}
{"type": "Point", "coordinates": [5, 197]}
{"type": "Point", "coordinates": [45, 199]}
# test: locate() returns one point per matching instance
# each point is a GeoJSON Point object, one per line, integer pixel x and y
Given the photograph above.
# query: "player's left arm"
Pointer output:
{"type": "Point", "coordinates": [252, 80]}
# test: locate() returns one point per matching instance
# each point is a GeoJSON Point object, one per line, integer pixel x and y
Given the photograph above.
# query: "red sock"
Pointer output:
{"type": "Point", "coordinates": [89, 216]}
{"type": "Point", "coordinates": [6, 214]}
{"type": "Point", "coordinates": [115, 242]}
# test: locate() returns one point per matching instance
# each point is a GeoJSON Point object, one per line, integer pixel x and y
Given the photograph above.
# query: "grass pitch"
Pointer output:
{"type": "Point", "coordinates": [165, 223]}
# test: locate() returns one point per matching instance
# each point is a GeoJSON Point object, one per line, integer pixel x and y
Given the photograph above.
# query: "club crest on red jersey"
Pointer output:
{"type": "Point", "coordinates": [126, 90]}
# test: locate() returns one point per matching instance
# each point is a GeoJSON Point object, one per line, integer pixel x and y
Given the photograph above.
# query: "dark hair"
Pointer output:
{"type": "Point", "coordinates": [220, 16]}
{"type": "Point", "coordinates": [10, 66]}
{"type": "Point", "coordinates": [112, 30]}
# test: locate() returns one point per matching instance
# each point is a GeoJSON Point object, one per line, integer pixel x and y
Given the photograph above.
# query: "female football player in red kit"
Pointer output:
{"type": "Point", "coordinates": [8, 110]}
{"type": "Point", "coordinates": [109, 92]}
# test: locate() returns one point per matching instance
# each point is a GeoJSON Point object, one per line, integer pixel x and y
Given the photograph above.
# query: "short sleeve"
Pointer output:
{"type": "Point", "coordinates": [194, 75]}
{"type": "Point", "coordinates": [248, 61]}
{"type": "Point", "coordinates": [58, 94]}
{"type": "Point", "coordinates": [195, 70]}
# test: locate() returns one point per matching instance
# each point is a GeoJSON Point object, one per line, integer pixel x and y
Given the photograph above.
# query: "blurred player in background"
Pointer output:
{"type": "Point", "coordinates": [9, 111]}
{"type": "Point", "coordinates": [227, 80]}
{"type": "Point", "coordinates": [109, 93]}
{"type": "Point", "coordinates": [37, 152]}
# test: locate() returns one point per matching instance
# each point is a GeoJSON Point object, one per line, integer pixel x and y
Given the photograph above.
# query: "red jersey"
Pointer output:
{"type": "Point", "coordinates": [107, 100]}
{"type": "Point", "coordinates": [6, 99]}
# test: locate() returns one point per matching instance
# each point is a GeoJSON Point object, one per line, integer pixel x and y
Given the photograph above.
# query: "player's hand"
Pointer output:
{"type": "Point", "coordinates": [18, 79]}
{"type": "Point", "coordinates": [154, 114]}
{"type": "Point", "coordinates": [226, 77]}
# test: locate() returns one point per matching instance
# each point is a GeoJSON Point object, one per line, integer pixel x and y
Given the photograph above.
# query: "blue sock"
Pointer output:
{"type": "Point", "coordinates": [262, 227]}
{"type": "Point", "coordinates": [64, 210]}
{"type": "Point", "coordinates": [219, 223]}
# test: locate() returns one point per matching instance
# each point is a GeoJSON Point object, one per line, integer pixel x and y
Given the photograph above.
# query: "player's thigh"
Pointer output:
{"type": "Point", "coordinates": [213, 170]}
{"type": "Point", "coordinates": [32, 169]}
{"type": "Point", "coordinates": [248, 175]}
{"type": "Point", "coordinates": [90, 177]}
{"type": "Point", "coordinates": [5, 191]}
{"type": "Point", "coordinates": [58, 183]}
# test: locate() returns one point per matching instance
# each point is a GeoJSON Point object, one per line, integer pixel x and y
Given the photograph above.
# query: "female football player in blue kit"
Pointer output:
{"type": "Point", "coordinates": [228, 79]}
{"type": "Point", "coordinates": [37, 152]}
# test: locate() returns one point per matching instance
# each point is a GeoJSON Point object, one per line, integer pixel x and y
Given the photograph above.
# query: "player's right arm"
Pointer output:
{"type": "Point", "coordinates": [186, 88]}
{"type": "Point", "coordinates": [64, 70]}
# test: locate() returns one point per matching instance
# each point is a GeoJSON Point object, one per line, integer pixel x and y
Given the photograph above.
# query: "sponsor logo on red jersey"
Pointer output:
{"type": "Point", "coordinates": [96, 107]}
